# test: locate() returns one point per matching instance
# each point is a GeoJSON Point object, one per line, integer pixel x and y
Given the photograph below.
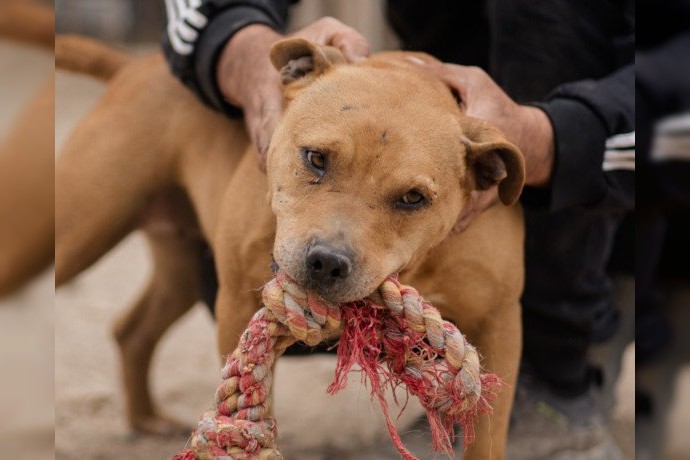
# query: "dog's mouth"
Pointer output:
{"type": "Point", "coordinates": [335, 294]}
{"type": "Point", "coordinates": [275, 268]}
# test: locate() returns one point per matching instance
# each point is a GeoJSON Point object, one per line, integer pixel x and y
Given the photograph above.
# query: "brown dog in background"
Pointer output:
{"type": "Point", "coordinates": [27, 158]}
{"type": "Point", "coordinates": [368, 172]}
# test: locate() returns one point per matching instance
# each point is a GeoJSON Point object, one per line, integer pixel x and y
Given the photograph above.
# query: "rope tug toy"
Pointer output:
{"type": "Point", "coordinates": [395, 337]}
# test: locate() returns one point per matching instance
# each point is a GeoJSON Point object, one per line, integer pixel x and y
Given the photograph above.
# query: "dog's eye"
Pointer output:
{"type": "Point", "coordinates": [315, 160]}
{"type": "Point", "coordinates": [412, 197]}
{"type": "Point", "coordinates": [411, 200]}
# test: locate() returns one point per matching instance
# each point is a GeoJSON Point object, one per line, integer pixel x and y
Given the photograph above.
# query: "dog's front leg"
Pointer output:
{"type": "Point", "coordinates": [499, 341]}
{"type": "Point", "coordinates": [234, 309]}
{"type": "Point", "coordinates": [172, 291]}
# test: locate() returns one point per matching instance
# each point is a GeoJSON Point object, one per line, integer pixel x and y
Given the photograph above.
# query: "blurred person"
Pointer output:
{"type": "Point", "coordinates": [557, 78]}
{"type": "Point", "coordinates": [662, 223]}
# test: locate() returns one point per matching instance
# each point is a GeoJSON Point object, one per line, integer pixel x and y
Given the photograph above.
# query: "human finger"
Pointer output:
{"type": "Point", "coordinates": [329, 31]}
{"type": "Point", "coordinates": [456, 77]}
{"type": "Point", "coordinates": [351, 43]}
{"type": "Point", "coordinates": [261, 120]}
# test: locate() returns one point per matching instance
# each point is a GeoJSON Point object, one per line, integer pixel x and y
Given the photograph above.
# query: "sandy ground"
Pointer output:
{"type": "Point", "coordinates": [89, 417]}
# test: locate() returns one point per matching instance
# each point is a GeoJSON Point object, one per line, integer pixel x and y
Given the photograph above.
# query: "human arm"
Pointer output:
{"type": "Point", "coordinates": [594, 140]}
{"type": "Point", "coordinates": [197, 32]}
{"type": "Point", "coordinates": [564, 138]}
{"type": "Point", "coordinates": [228, 66]}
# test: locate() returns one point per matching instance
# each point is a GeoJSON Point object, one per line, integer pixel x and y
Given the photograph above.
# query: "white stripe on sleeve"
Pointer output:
{"type": "Point", "coordinates": [672, 139]}
{"type": "Point", "coordinates": [184, 23]}
{"type": "Point", "coordinates": [621, 141]}
{"type": "Point", "coordinates": [620, 152]}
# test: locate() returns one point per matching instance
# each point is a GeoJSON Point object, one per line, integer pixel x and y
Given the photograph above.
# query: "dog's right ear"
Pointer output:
{"type": "Point", "coordinates": [494, 160]}
{"type": "Point", "coordinates": [300, 61]}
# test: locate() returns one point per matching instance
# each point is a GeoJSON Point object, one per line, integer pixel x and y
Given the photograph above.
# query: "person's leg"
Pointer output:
{"type": "Point", "coordinates": [568, 298]}
{"type": "Point", "coordinates": [568, 306]}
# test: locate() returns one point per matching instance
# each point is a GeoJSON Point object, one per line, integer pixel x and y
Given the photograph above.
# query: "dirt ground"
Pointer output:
{"type": "Point", "coordinates": [89, 412]}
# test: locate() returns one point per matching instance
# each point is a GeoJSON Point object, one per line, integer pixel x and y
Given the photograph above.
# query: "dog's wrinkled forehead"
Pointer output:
{"type": "Point", "coordinates": [320, 74]}
{"type": "Point", "coordinates": [377, 132]}
{"type": "Point", "coordinates": [353, 100]}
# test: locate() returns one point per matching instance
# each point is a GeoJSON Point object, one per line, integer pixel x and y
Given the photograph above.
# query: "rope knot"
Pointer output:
{"type": "Point", "coordinates": [309, 318]}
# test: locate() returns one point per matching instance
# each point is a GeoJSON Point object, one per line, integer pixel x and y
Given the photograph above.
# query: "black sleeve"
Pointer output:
{"type": "Point", "coordinates": [663, 114]}
{"type": "Point", "coordinates": [197, 31]}
{"type": "Point", "coordinates": [594, 134]}
{"type": "Point", "coordinates": [663, 76]}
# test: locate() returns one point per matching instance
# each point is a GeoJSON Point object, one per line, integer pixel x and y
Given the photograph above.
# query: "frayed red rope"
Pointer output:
{"type": "Point", "coordinates": [361, 343]}
{"type": "Point", "coordinates": [394, 336]}
{"type": "Point", "coordinates": [391, 354]}
{"type": "Point", "coordinates": [185, 455]}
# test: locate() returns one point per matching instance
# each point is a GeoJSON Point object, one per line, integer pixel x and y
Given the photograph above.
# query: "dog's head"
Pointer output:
{"type": "Point", "coordinates": [371, 167]}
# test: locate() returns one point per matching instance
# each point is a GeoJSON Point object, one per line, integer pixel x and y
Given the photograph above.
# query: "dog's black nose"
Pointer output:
{"type": "Point", "coordinates": [327, 265]}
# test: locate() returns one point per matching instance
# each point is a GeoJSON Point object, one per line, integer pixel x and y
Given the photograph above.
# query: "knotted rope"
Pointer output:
{"type": "Point", "coordinates": [394, 335]}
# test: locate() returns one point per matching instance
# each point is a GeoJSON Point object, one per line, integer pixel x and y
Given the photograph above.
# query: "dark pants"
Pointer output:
{"type": "Point", "coordinates": [568, 301]}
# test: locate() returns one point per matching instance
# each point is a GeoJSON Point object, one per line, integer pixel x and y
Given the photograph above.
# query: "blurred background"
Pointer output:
{"type": "Point", "coordinates": [58, 360]}
{"type": "Point", "coordinates": [143, 20]}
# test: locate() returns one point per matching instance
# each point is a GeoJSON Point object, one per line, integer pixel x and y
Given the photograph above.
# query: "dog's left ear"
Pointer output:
{"type": "Point", "coordinates": [493, 160]}
{"type": "Point", "coordinates": [299, 60]}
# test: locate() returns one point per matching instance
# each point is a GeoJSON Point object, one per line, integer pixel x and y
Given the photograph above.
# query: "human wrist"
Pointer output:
{"type": "Point", "coordinates": [244, 60]}
{"type": "Point", "coordinates": [537, 144]}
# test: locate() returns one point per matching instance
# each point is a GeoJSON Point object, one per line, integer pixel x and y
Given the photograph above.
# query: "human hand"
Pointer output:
{"type": "Point", "coordinates": [248, 80]}
{"type": "Point", "coordinates": [527, 127]}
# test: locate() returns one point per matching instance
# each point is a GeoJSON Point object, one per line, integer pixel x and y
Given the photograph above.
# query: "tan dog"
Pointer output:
{"type": "Point", "coordinates": [27, 22]}
{"type": "Point", "coordinates": [368, 172]}
{"type": "Point", "coordinates": [27, 158]}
